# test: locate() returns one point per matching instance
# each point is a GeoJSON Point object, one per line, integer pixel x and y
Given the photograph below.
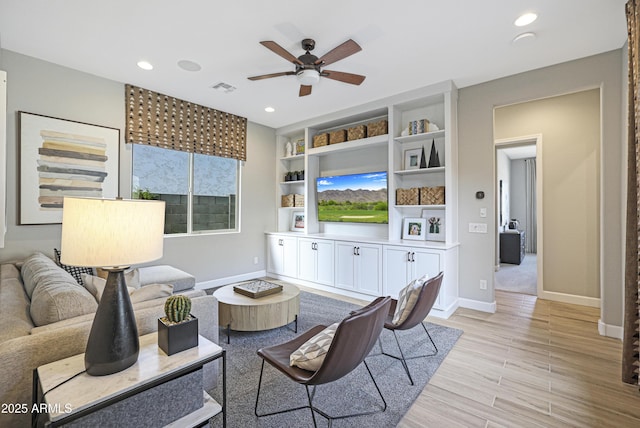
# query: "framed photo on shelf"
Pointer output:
{"type": "Point", "coordinates": [297, 221]}
{"type": "Point", "coordinates": [414, 228]}
{"type": "Point", "coordinates": [435, 224]}
{"type": "Point", "coordinates": [412, 158]}
{"type": "Point", "coordinates": [59, 158]}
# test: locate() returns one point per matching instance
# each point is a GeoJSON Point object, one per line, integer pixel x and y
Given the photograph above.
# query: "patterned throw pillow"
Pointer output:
{"type": "Point", "coordinates": [407, 299]}
{"type": "Point", "coordinates": [75, 271]}
{"type": "Point", "coordinates": [311, 354]}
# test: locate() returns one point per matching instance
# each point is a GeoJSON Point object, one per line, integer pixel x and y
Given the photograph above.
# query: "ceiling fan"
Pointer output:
{"type": "Point", "coordinates": [309, 67]}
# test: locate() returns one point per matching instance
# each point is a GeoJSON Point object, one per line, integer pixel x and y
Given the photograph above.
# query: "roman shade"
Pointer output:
{"type": "Point", "coordinates": [159, 120]}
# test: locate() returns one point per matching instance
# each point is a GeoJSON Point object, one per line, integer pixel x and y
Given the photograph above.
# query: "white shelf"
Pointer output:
{"type": "Point", "coordinates": [292, 182]}
{"type": "Point", "coordinates": [433, 207]}
{"type": "Point", "coordinates": [420, 171]}
{"type": "Point", "coordinates": [378, 140]}
{"type": "Point", "coordinates": [420, 137]}
{"type": "Point", "coordinates": [209, 409]}
{"type": "Point", "coordinates": [294, 157]}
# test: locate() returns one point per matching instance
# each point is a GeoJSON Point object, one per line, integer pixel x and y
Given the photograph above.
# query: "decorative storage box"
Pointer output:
{"type": "Point", "coordinates": [287, 200]}
{"type": "Point", "coordinates": [377, 128]}
{"type": "Point", "coordinates": [320, 140]}
{"type": "Point", "coordinates": [407, 196]}
{"type": "Point", "coordinates": [298, 200]}
{"type": "Point", "coordinates": [432, 195]}
{"type": "Point", "coordinates": [357, 132]}
{"type": "Point", "coordinates": [339, 136]}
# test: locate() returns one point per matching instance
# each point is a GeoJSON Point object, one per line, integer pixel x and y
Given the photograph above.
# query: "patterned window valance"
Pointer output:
{"type": "Point", "coordinates": [163, 121]}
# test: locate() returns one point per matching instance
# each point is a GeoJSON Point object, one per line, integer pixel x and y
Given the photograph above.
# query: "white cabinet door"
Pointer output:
{"type": "Point", "coordinates": [283, 255]}
{"type": "Point", "coordinates": [368, 261]}
{"type": "Point", "coordinates": [425, 262]}
{"type": "Point", "coordinates": [359, 267]}
{"type": "Point", "coordinates": [306, 259]}
{"type": "Point", "coordinates": [315, 261]}
{"type": "Point", "coordinates": [290, 256]}
{"type": "Point", "coordinates": [345, 269]}
{"type": "Point", "coordinates": [397, 263]}
{"type": "Point", "coordinates": [324, 262]}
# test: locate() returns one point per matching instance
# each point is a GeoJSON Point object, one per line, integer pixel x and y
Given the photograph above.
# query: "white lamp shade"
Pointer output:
{"type": "Point", "coordinates": [308, 77]}
{"type": "Point", "coordinates": [111, 232]}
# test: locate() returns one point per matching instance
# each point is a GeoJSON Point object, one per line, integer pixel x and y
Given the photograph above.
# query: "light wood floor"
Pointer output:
{"type": "Point", "coordinates": [534, 363]}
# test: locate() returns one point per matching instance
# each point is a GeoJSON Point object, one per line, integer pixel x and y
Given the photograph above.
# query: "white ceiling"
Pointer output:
{"type": "Point", "coordinates": [406, 44]}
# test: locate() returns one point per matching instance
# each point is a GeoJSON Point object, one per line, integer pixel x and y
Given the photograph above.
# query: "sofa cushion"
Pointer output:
{"type": "Point", "coordinates": [164, 274]}
{"type": "Point", "coordinates": [75, 271]}
{"type": "Point", "coordinates": [34, 267]}
{"type": "Point", "coordinates": [14, 315]}
{"type": "Point", "coordinates": [56, 295]}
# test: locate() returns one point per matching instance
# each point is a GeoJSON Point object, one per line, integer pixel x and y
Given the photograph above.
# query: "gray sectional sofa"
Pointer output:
{"type": "Point", "coordinates": [45, 316]}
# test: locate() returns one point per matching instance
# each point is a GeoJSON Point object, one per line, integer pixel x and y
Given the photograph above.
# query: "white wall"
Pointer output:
{"type": "Point", "coordinates": [476, 165]}
{"type": "Point", "coordinates": [41, 87]}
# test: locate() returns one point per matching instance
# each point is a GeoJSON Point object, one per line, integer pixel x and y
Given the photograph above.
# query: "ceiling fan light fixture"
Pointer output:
{"type": "Point", "coordinates": [308, 76]}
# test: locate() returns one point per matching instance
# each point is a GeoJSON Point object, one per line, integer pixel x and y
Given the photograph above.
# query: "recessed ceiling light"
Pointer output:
{"type": "Point", "coordinates": [525, 19]}
{"type": "Point", "coordinates": [145, 65]}
{"type": "Point", "coordinates": [524, 36]}
{"type": "Point", "coordinates": [187, 65]}
{"type": "Point", "coordinates": [269, 109]}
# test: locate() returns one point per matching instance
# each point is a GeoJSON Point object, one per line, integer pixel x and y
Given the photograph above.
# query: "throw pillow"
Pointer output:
{"type": "Point", "coordinates": [407, 299]}
{"type": "Point", "coordinates": [150, 292]}
{"type": "Point", "coordinates": [75, 271]}
{"type": "Point", "coordinates": [310, 355]}
{"type": "Point", "coordinates": [95, 285]}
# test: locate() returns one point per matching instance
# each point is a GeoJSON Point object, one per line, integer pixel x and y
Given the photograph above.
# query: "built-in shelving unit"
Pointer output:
{"type": "Point", "coordinates": [438, 104]}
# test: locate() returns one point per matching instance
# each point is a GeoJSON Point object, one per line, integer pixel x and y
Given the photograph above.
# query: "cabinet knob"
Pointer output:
{"type": "Point", "coordinates": [413, 256]}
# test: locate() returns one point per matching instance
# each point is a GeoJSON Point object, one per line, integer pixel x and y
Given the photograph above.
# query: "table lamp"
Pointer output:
{"type": "Point", "coordinates": [112, 234]}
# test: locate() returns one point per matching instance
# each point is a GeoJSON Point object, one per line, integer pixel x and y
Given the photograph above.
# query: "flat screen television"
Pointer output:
{"type": "Point", "coordinates": [353, 198]}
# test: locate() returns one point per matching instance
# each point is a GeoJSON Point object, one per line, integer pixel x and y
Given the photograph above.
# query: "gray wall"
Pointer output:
{"type": "Point", "coordinates": [41, 87]}
{"type": "Point", "coordinates": [476, 163]}
{"type": "Point", "coordinates": [518, 200]}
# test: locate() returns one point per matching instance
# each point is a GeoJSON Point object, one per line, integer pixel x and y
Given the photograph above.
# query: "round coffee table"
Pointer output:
{"type": "Point", "coordinates": [242, 313]}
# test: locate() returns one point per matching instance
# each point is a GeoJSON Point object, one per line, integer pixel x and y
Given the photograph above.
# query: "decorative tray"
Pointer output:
{"type": "Point", "coordinates": [257, 289]}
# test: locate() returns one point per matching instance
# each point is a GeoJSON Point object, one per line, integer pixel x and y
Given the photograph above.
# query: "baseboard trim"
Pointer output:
{"type": "Point", "coordinates": [477, 305]}
{"type": "Point", "coordinates": [446, 312]}
{"type": "Point", "coordinates": [607, 330]}
{"type": "Point", "coordinates": [215, 283]}
{"type": "Point", "coordinates": [593, 302]}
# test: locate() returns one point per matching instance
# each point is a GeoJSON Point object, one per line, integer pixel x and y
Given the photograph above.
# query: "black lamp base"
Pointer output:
{"type": "Point", "coordinates": [113, 343]}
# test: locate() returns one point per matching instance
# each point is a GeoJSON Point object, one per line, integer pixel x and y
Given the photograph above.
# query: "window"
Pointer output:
{"type": "Point", "coordinates": [200, 191]}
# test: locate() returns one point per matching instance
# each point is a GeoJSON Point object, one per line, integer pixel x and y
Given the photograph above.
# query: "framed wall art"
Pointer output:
{"type": "Point", "coordinates": [412, 158]}
{"type": "Point", "coordinates": [414, 228]}
{"type": "Point", "coordinates": [297, 221]}
{"type": "Point", "coordinates": [59, 158]}
{"type": "Point", "coordinates": [435, 224]}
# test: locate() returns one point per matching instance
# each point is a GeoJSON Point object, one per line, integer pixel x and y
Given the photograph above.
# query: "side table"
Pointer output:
{"type": "Point", "coordinates": [64, 392]}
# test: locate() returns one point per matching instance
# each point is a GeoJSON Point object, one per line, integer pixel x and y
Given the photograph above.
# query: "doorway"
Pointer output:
{"type": "Point", "coordinates": [519, 207]}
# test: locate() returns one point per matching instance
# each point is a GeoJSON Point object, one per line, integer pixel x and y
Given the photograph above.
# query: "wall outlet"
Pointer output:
{"type": "Point", "coordinates": [255, 260]}
{"type": "Point", "coordinates": [483, 284]}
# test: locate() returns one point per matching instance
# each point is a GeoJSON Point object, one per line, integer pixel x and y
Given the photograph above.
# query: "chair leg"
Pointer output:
{"type": "Point", "coordinates": [279, 411]}
{"type": "Point", "coordinates": [404, 359]}
{"type": "Point", "coordinates": [310, 396]}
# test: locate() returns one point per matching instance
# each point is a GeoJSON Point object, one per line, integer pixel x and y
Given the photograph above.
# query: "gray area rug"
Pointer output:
{"type": "Point", "coordinates": [522, 278]}
{"type": "Point", "coordinates": [351, 394]}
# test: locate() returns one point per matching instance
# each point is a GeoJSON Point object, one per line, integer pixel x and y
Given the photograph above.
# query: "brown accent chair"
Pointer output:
{"type": "Point", "coordinates": [426, 299]}
{"type": "Point", "coordinates": [353, 340]}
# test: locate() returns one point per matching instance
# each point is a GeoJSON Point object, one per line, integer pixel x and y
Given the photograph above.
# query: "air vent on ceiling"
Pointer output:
{"type": "Point", "coordinates": [224, 87]}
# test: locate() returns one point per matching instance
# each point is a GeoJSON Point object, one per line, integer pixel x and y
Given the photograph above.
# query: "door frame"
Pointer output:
{"type": "Point", "coordinates": [525, 140]}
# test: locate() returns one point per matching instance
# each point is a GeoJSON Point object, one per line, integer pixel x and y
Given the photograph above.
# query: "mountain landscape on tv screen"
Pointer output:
{"type": "Point", "coordinates": [353, 206]}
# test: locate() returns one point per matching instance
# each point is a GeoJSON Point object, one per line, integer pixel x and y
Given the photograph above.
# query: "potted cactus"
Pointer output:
{"type": "Point", "coordinates": [178, 329]}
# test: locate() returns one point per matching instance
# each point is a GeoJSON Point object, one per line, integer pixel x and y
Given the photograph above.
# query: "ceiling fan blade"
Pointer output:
{"type": "Point", "coordinates": [344, 50]}
{"type": "Point", "coordinates": [276, 48]}
{"type": "Point", "coordinates": [354, 79]}
{"type": "Point", "coordinates": [305, 90]}
{"type": "Point", "coordinates": [267, 76]}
